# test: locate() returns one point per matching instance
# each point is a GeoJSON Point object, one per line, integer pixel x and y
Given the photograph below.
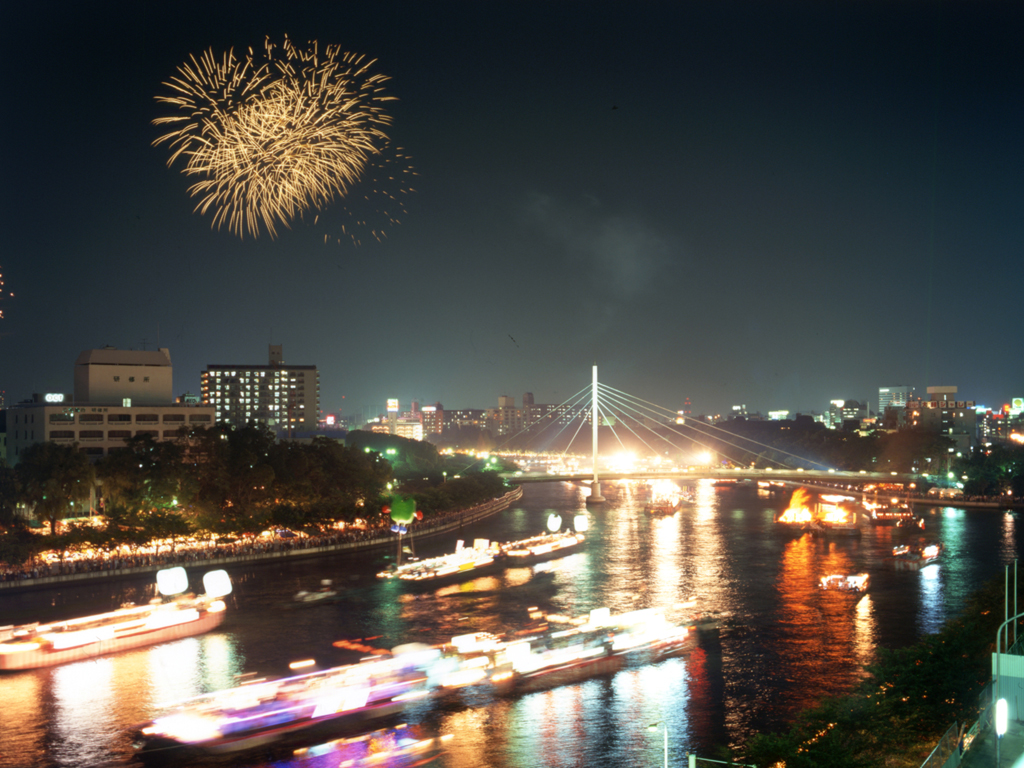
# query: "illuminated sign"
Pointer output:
{"type": "Point", "coordinates": [53, 397]}
{"type": "Point", "coordinates": [946, 404]}
{"type": "Point", "coordinates": [1018, 402]}
{"type": "Point", "coordinates": [392, 405]}
{"type": "Point", "coordinates": [330, 418]}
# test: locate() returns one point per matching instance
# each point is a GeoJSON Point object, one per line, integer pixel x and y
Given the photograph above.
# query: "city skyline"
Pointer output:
{"type": "Point", "coordinates": [769, 205]}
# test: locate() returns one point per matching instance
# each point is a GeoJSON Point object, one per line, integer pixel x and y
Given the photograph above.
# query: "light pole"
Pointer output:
{"type": "Point", "coordinates": [654, 727]}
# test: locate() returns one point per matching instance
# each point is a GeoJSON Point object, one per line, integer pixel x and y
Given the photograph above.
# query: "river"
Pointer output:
{"type": "Point", "coordinates": [783, 643]}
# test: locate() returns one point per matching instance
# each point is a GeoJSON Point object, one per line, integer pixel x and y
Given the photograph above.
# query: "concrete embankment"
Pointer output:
{"type": "Point", "coordinates": [451, 523]}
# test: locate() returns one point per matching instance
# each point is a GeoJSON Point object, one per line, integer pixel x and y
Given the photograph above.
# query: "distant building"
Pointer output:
{"type": "Point", "coordinates": [893, 397]}
{"type": "Point", "coordinates": [411, 428]}
{"type": "Point", "coordinates": [118, 394]}
{"type": "Point", "coordinates": [942, 412]}
{"type": "Point", "coordinates": [433, 419]}
{"type": "Point", "coordinates": [465, 417]}
{"type": "Point", "coordinates": [284, 398]}
{"type": "Point", "coordinates": [845, 414]}
{"type": "Point", "coordinates": [127, 377]}
{"type": "Point", "coordinates": [506, 418]}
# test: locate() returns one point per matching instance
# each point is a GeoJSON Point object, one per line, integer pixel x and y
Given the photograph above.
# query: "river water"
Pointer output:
{"type": "Point", "coordinates": [783, 643]}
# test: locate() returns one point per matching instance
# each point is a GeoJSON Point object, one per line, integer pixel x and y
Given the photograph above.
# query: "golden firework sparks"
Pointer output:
{"type": "Point", "coordinates": [271, 136]}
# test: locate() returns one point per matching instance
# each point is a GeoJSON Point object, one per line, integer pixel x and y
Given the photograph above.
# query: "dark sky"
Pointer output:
{"type": "Point", "coordinates": [769, 203]}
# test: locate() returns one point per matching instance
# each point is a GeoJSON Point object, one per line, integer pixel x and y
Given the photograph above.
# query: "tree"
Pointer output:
{"type": "Point", "coordinates": [146, 474]}
{"type": "Point", "coordinates": [10, 489]}
{"type": "Point", "coordinates": [54, 478]}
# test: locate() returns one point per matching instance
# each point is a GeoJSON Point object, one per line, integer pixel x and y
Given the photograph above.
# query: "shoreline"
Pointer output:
{"type": "Point", "coordinates": [470, 515]}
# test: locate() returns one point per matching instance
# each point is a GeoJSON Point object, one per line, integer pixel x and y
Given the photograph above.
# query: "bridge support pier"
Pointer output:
{"type": "Point", "coordinates": [595, 496]}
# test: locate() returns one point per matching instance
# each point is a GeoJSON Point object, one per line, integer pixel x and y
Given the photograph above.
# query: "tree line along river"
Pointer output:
{"type": "Point", "coordinates": [783, 643]}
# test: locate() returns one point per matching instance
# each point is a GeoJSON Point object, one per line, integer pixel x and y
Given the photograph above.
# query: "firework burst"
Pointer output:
{"type": "Point", "coordinates": [269, 137]}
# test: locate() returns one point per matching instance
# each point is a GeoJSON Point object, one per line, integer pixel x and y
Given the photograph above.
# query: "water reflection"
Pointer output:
{"type": "Point", "coordinates": [930, 613]}
{"type": "Point", "coordinates": [784, 643]}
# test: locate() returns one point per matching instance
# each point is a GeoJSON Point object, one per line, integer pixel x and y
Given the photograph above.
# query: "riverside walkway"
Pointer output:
{"type": "Point", "coordinates": [254, 554]}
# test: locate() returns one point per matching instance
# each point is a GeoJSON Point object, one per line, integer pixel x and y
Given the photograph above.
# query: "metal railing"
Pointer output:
{"type": "Point", "coordinates": [947, 752]}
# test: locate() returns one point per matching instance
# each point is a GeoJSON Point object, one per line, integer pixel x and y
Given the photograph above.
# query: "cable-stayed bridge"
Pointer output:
{"type": "Point", "coordinates": [629, 423]}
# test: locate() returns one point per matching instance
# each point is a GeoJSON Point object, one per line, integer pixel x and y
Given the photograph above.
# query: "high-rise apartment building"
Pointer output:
{"type": "Point", "coordinates": [433, 419]}
{"type": "Point", "coordinates": [284, 398]}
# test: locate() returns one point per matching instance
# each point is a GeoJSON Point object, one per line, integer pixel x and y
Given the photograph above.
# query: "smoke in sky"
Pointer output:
{"type": "Point", "coordinates": [621, 254]}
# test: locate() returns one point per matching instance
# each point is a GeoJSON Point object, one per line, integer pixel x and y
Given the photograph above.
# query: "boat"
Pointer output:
{"type": "Point", "coordinates": [464, 562]}
{"type": "Point", "coordinates": [540, 547]}
{"type": "Point", "coordinates": [663, 507]}
{"type": "Point", "coordinates": [45, 645]}
{"type": "Point", "coordinates": [893, 511]}
{"type": "Point", "coordinates": [558, 650]}
{"type": "Point", "coordinates": [299, 708]}
{"type": "Point", "coordinates": [326, 594]}
{"type": "Point", "coordinates": [671, 503]}
{"type": "Point", "coordinates": [916, 554]}
{"type": "Point", "coordinates": [552, 652]}
{"type": "Point", "coordinates": [397, 747]}
{"type": "Point", "coordinates": [841, 582]}
{"type": "Point", "coordinates": [835, 515]}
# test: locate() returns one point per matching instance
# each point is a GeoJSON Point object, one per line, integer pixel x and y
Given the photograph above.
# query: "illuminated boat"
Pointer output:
{"type": "Point", "coordinates": [840, 582]}
{"type": "Point", "coordinates": [836, 515]}
{"type": "Point", "coordinates": [302, 707]}
{"type": "Point", "coordinates": [599, 644]}
{"type": "Point", "coordinates": [916, 554]}
{"type": "Point", "coordinates": [326, 594]}
{"type": "Point", "coordinates": [540, 547]}
{"type": "Point", "coordinates": [893, 511]}
{"type": "Point", "coordinates": [397, 747]}
{"type": "Point", "coordinates": [46, 645]}
{"type": "Point", "coordinates": [557, 650]}
{"type": "Point", "coordinates": [464, 562]}
{"type": "Point", "coordinates": [663, 507]}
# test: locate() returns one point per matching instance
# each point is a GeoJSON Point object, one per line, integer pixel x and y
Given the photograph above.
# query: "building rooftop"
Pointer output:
{"type": "Point", "coordinates": [114, 356]}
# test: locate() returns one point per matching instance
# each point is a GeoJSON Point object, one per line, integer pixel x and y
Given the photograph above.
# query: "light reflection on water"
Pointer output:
{"type": "Point", "coordinates": [784, 642]}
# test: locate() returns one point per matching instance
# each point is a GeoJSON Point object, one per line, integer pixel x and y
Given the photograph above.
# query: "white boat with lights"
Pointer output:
{"type": "Point", "coordinates": [540, 547]}
{"type": "Point", "coordinates": [464, 562]}
{"type": "Point", "coordinates": [841, 582]}
{"type": "Point", "coordinates": [397, 747]}
{"type": "Point", "coordinates": [45, 645]}
{"type": "Point", "coordinates": [326, 594]}
{"type": "Point", "coordinates": [916, 554]}
{"type": "Point", "coordinates": [559, 650]}
{"type": "Point", "coordinates": [303, 707]}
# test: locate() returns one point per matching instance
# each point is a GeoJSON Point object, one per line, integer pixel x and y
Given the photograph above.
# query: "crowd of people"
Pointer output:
{"type": "Point", "coordinates": [185, 553]}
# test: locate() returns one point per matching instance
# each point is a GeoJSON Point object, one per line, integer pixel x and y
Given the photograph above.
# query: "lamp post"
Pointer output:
{"type": "Point", "coordinates": [654, 727]}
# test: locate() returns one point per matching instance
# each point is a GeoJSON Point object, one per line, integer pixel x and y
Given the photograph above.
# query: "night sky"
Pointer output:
{"type": "Point", "coordinates": [773, 203]}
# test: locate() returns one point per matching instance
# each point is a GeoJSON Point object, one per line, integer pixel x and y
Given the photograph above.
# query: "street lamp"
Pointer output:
{"type": "Point", "coordinates": [654, 727]}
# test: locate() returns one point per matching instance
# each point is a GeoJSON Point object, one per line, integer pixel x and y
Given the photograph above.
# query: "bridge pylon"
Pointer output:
{"type": "Point", "coordinates": [595, 487]}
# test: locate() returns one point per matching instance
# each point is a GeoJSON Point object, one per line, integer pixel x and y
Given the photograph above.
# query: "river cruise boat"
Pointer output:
{"type": "Point", "coordinates": [559, 650]}
{"type": "Point", "coordinates": [300, 708]}
{"type": "Point", "coordinates": [398, 747]}
{"type": "Point", "coordinates": [464, 562]}
{"type": "Point", "coordinates": [841, 582]}
{"type": "Point", "coordinates": [916, 554]}
{"type": "Point", "coordinates": [891, 511]}
{"type": "Point", "coordinates": [45, 645]}
{"type": "Point", "coordinates": [541, 547]}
